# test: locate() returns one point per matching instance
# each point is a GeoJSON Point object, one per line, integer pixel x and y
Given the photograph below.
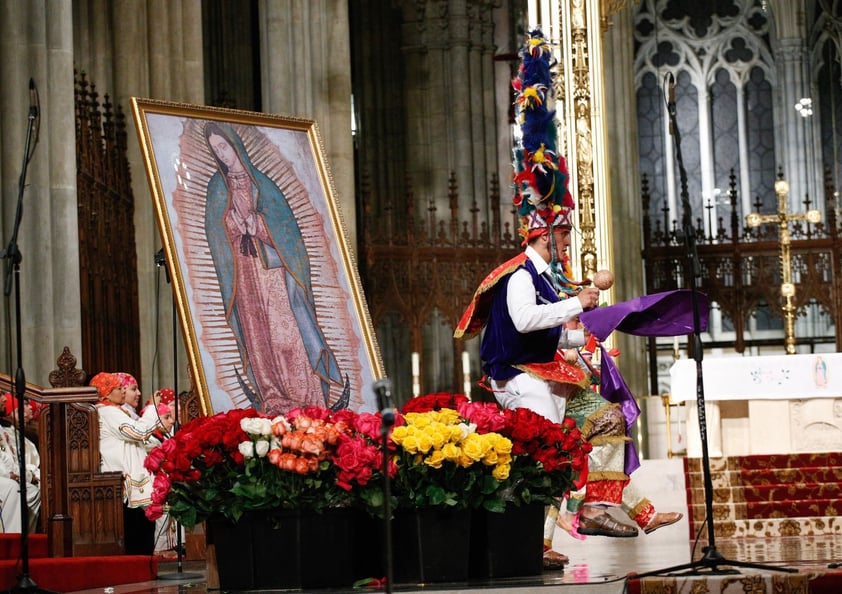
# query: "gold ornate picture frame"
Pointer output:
{"type": "Point", "coordinates": [265, 285]}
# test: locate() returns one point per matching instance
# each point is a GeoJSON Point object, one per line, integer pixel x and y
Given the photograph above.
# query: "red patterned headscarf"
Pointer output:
{"type": "Point", "coordinates": [166, 395]}
{"type": "Point", "coordinates": [104, 383]}
{"type": "Point", "coordinates": [126, 379]}
{"type": "Point", "coordinates": [11, 405]}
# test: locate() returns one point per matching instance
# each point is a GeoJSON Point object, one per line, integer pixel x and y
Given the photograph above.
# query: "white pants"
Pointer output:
{"type": "Point", "coordinates": [548, 399]}
{"type": "Point", "coordinates": [10, 504]}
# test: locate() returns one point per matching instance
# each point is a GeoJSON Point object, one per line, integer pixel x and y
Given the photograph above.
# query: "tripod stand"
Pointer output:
{"type": "Point", "coordinates": [13, 257]}
{"type": "Point", "coordinates": [160, 261]}
{"type": "Point", "coordinates": [712, 561]}
{"type": "Point", "coordinates": [383, 389]}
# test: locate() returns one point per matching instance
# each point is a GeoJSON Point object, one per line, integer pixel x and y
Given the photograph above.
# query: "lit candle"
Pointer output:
{"type": "Point", "coordinates": [466, 374]}
{"type": "Point", "coordinates": [416, 374]}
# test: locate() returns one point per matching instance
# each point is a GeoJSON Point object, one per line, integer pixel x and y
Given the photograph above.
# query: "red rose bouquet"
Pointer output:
{"type": "Point", "coordinates": [359, 459]}
{"type": "Point", "coordinates": [310, 459]}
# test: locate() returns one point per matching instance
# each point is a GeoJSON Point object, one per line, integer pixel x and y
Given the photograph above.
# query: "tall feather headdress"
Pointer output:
{"type": "Point", "coordinates": [540, 172]}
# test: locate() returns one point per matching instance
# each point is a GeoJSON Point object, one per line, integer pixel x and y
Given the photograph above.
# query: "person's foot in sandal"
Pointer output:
{"type": "Point", "coordinates": [603, 524]}
{"type": "Point", "coordinates": [554, 559]}
{"type": "Point", "coordinates": [569, 522]}
{"type": "Point", "coordinates": [661, 519]}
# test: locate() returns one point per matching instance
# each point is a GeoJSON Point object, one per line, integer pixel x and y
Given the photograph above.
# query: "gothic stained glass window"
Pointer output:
{"type": "Point", "coordinates": [741, 73]}
{"type": "Point", "coordinates": [719, 55]}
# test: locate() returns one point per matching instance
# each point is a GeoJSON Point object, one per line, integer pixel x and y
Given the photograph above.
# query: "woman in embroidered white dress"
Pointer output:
{"type": "Point", "coordinates": [159, 406]}
{"type": "Point", "coordinates": [10, 510]}
{"type": "Point", "coordinates": [121, 449]}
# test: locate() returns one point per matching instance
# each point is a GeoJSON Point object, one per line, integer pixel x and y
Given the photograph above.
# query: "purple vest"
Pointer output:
{"type": "Point", "coordinates": [503, 346]}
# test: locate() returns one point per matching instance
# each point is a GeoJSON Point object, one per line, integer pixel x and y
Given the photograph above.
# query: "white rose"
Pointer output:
{"type": "Point", "coordinates": [246, 449]}
{"type": "Point", "coordinates": [262, 426]}
{"type": "Point", "coordinates": [281, 419]}
{"type": "Point", "coordinates": [467, 429]}
{"type": "Point", "coordinates": [247, 424]}
{"type": "Point", "coordinates": [261, 448]}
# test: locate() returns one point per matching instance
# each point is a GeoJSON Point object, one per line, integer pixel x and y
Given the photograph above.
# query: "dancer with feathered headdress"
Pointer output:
{"type": "Point", "coordinates": [525, 304]}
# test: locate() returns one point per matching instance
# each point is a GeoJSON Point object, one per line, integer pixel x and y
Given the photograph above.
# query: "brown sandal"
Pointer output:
{"type": "Point", "coordinates": [659, 520]}
{"type": "Point", "coordinates": [554, 559]}
{"type": "Point", "coordinates": [605, 525]}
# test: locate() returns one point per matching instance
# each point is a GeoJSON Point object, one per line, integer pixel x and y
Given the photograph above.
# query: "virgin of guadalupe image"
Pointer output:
{"type": "Point", "coordinates": [265, 282]}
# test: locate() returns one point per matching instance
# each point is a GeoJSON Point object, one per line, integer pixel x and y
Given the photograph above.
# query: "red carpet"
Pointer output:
{"type": "Point", "coordinates": [67, 574]}
{"type": "Point", "coordinates": [10, 546]}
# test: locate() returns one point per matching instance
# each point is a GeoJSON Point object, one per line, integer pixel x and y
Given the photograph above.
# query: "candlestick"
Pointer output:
{"type": "Point", "coordinates": [416, 374]}
{"type": "Point", "coordinates": [466, 374]}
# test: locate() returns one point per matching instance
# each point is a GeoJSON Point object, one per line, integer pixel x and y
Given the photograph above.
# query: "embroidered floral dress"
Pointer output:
{"type": "Point", "coordinates": [10, 487]}
{"type": "Point", "coordinates": [121, 448]}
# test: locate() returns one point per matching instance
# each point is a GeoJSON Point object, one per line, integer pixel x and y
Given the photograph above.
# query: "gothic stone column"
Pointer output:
{"type": "Point", "coordinates": [37, 38]}
{"type": "Point", "coordinates": [306, 72]}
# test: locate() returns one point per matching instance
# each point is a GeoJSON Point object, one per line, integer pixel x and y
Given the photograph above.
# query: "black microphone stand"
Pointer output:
{"type": "Point", "coordinates": [161, 261]}
{"type": "Point", "coordinates": [383, 389]}
{"type": "Point", "coordinates": [712, 559]}
{"type": "Point", "coordinates": [13, 257]}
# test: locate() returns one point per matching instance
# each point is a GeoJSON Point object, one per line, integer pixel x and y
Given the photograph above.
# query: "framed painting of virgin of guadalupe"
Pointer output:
{"type": "Point", "coordinates": [265, 287]}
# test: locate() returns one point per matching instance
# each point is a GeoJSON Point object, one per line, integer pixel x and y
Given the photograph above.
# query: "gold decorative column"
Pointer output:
{"type": "Point", "coordinates": [574, 26]}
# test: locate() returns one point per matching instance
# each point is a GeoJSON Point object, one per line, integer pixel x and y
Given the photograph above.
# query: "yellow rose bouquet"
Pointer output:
{"type": "Point", "coordinates": [442, 461]}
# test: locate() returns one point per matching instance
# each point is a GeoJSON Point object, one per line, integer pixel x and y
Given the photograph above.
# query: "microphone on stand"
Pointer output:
{"type": "Point", "coordinates": [13, 256]}
{"type": "Point", "coordinates": [34, 111]}
{"type": "Point", "coordinates": [161, 260]}
{"type": "Point", "coordinates": [712, 558]}
{"type": "Point", "coordinates": [383, 389]}
{"type": "Point", "coordinates": [671, 101]}
{"type": "Point", "coordinates": [34, 108]}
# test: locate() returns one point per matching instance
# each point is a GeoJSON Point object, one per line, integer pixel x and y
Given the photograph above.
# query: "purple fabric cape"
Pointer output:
{"type": "Point", "coordinates": [663, 314]}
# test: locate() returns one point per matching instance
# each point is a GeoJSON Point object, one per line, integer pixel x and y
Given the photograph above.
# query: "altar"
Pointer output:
{"type": "Point", "coordinates": [763, 405]}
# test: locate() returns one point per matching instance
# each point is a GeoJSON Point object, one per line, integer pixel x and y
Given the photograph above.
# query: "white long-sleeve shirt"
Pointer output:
{"type": "Point", "coordinates": [9, 462]}
{"type": "Point", "coordinates": [529, 316]}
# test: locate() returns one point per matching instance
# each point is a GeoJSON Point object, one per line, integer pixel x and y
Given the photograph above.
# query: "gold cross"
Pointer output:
{"type": "Point", "coordinates": [783, 218]}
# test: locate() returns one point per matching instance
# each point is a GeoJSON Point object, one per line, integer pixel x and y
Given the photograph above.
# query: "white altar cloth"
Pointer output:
{"type": "Point", "coordinates": [771, 377]}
